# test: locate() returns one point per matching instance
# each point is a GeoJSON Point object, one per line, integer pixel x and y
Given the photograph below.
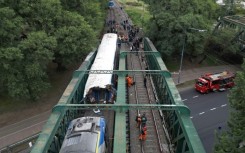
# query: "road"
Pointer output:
{"type": "Point", "coordinates": [23, 129]}
{"type": "Point", "coordinates": [208, 112]}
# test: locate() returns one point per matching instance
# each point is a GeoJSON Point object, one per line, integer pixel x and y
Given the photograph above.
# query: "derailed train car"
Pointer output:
{"type": "Point", "coordinates": [86, 135]}
{"type": "Point", "coordinates": [99, 88]}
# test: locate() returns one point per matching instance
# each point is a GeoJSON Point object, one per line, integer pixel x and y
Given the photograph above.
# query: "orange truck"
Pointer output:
{"type": "Point", "coordinates": [215, 82]}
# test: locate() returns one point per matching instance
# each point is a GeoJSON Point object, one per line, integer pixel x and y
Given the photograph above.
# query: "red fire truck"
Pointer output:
{"type": "Point", "coordinates": [215, 82]}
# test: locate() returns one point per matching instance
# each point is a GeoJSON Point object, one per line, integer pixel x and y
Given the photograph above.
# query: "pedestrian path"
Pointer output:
{"type": "Point", "coordinates": [194, 73]}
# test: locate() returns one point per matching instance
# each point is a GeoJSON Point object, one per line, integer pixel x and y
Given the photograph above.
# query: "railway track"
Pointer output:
{"type": "Point", "coordinates": [138, 94]}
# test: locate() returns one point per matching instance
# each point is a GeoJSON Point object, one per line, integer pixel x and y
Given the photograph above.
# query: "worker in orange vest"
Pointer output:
{"type": "Point", "coordinates": [130, 81]}
{"type": "Point", "coordinates": [143, 133]}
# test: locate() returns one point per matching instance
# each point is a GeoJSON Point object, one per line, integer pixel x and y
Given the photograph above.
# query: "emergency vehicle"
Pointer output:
{"type": "Point", "coordinates": [215, 82]}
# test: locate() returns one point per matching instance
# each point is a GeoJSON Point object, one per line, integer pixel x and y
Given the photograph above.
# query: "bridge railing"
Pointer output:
{"type": "Point", "coordinates": [180, 127]}
{"type": "Point", "coordinates": [53, 133]}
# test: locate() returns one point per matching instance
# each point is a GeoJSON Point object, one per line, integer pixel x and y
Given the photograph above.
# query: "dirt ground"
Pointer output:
{"type": "Point", "coordinates": [59, 80]}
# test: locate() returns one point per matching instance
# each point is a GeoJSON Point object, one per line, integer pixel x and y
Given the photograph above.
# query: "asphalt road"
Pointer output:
{"type": "Point", "coordinates": [208, 112]}
{"type": "Point", "coordinates": [23, 129]}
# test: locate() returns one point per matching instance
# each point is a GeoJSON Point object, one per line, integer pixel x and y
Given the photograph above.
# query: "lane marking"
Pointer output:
{"type": "Point", "coordinates": [215, 108]}
{"type": "Point", "coordinates": [223, 105]}
{"type": "Point", "coordinates": [201, 113]}
{"type": "Point", "coordinates": [194, 96]}
{"type": "Point", "coordinates": [23, 129]}
{"type": "Point", "coordinates": [184, 99]}
{"type": "Point", "coordinates": [41, 114]}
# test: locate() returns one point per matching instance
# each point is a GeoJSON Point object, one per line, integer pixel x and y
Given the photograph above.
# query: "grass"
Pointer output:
{"type": "Point", "coordinates": [12, 110]}
{"type": "Point", "coordinates": [211, 60]}
{"type": "Point", "coordinates": [172, 65]}
{"type": "Point", "coordinates": [137, 11]}
{"type": "Point", "coordinates": [186, 84]}
{"type": "Point", "coordinates": [8, 104]}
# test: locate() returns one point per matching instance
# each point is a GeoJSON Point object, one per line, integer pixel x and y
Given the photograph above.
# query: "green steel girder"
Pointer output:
{"type": "Point", "coordinates": [167, 93]}
{"type": "Point", "coordinates": [236, 38]}
{"type": "Point", "coordinates": [45, 138]}
{"type": "Point", "coordinates": [166, 73]}
{"type": "Point", "coordinates": [155, 53]}
{"type": "Point", "coordinates": [184, 110]}
{"type": "Point", "coordinates": [237, 20]}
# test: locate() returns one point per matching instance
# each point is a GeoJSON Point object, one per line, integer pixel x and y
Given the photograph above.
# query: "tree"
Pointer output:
{"type": "Point", "coordinates": [173, 22]}
{"type": "Point", "coordinates": [232, 140]}
{"type": "Point", "coordinates": [222, 42]}
{"type": "Point", "coordinates": [34, 33]}
{"type": "Point", "coordinates": [74, 35]}
{"type": "Point", "coordinates": [24, 67]}
{"type": "Point", "coordinates": [92, 10]}
{"type": "Point", "coordinates": [10, 27]}
{"type": "Point", "coordinates": [75, 39]}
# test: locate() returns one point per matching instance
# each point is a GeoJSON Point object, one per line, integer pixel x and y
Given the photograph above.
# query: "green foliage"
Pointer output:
{"type": "Point", "coordinates": [74, 43]}
{"type": "Point", "coordinates": [222, 43]}
{"type": "Point", "coordinates": [176, 22]}
{"type": "Point", "coordinates": [231, 141]}
{"type": "Point", "coordinates": [10, 27]}
{"type": "Point", "coordinates": [24, 67]}
{"type": "Point", "coordinates": [138, 18]}
{"type": "Point", "coordinates": [133, 4]}
{"type": "Point", "coordinates": [35, 33]}
{"type": "Point", "coordinates": [92, 11]}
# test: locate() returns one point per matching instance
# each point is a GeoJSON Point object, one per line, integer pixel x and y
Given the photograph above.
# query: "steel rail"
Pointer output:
{"type": "Point", "coordinates": [160, 112]}
{"type": "Point", "coordinates": [136, 97]}
{"type": "Point", "coordinates": [150, 101]}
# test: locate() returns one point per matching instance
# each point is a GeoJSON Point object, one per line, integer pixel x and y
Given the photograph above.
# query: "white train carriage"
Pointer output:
{"type": "Point", "coordinates": [99, 87]}
{"type": "Point", "coordinates": [86, 135]}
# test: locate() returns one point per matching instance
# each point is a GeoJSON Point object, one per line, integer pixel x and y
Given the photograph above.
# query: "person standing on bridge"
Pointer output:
{"type": "Point", "coordinates": [143, 133]}
{"type": "Point", "coordinates": [145, 81]}
{"type": "Point", "coordinates": [143, 120]}
{"type": "Point", "coordinates": [138, 120]}
{"type": "Point", "coordinates": [130, 81]}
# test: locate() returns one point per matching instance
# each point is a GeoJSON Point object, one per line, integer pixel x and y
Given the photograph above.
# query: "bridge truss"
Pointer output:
{"type": "Point", "coordinates": [176, 115]}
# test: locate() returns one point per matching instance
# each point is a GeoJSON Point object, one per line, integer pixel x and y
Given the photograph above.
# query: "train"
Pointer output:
{"type": "Point", "coordinates": [111, 4]}
{"type": "Point", "coordinates": [86, 134]}
{"type": "Point", "coordinates": [100, 88]}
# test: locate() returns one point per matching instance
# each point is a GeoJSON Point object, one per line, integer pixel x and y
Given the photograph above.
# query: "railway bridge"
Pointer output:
{"type": "Point", "coordinates": [175, 130]}
{"type": "Point", "coordinates": [169, 127]}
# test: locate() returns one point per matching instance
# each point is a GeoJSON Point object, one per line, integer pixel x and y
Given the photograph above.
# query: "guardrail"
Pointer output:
{"type": "Point", "coordinates": [21, 146]}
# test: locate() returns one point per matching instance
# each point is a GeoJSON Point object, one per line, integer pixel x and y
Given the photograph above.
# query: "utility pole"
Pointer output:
{"type": "Point", "coordinates": [181, 59]}
{"type": "Point", "coordinates": [183, 49]}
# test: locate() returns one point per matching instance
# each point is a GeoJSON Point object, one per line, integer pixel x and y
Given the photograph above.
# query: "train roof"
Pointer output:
{"type": "Point", "coordinates": [104, 60]}
{"type": "Point", "coordinates": [82, 135]}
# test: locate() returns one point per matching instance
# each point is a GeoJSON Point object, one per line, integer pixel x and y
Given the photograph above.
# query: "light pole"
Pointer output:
{"type": "Point", "coordinates": [183, 49]}
{"type": "Point", "coordinates": [181, 59]}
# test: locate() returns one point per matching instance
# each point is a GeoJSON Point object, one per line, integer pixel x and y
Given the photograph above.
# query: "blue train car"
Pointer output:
{"type": "Point", "coordinates": [111, 4]}
{"type": "Point", "coordinates": [86, 135]}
